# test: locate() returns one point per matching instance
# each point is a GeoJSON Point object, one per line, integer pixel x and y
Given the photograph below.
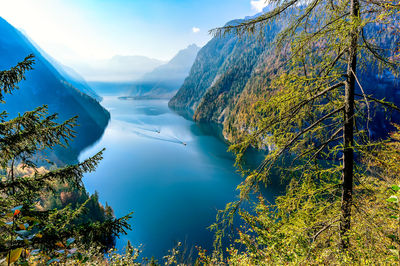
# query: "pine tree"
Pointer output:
{"type": "Point", "coordinates": [23, 226]}
{"type": "Point", "coordinates": [316, 118]}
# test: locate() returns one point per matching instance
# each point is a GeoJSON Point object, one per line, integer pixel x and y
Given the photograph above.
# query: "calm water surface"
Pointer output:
{"type": "Point", "coordinates": [173, 189]}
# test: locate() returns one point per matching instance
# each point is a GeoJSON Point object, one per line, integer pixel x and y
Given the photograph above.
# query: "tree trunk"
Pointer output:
{"type": "Point", "coordinates": [348, 129]}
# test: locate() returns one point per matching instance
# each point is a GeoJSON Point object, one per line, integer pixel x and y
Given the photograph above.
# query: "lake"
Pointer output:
{"type": "Point", "coordinates": [173, 173]}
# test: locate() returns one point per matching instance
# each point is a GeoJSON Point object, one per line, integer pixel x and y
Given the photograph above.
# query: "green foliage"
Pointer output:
{"type": "Point", "coordinates": [25, 226]}
{"type": "Point", "coordinates": [314, 119]}
{"type": "Point", "coordinates": [301, 227]}
{"type": "Point", "coordinates": [10, 78]}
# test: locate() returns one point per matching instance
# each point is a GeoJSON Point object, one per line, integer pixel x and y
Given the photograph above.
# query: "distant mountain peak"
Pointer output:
{"type": "Point", "coordinates": [193, 46]}
{"type": "Point", "coordinates": [177, 68]}
{"type": "Point", "coordinates": [165, 80]}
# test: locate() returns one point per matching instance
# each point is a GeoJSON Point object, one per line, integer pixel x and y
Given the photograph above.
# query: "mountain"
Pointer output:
{"type": "Point", "coordinates": [230, 74]}
{"type": "Point", "coordinates": [46, 85]}
{"type": "Point", "coordinates": [76, 80]}
{"type": "Point", "coordinates": [177, 69]}
{"type": "Point", "coordinates": [118, 68]}
{"type": "Point", "coordinates": [166, 79]}
{"type": "Point", "coordinates": [220, 72]}
{"type": "Point", "coordinates": [67, 72]}
{"type": "Point", "coordinates": [160, 80]}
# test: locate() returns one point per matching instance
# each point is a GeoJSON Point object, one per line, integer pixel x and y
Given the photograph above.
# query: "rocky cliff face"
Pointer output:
{"type": "Point", "coordinates": [46, 85]}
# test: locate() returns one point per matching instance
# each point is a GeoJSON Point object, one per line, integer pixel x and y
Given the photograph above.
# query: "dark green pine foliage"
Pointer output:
{"type": "Point", "coordinates": [24, 226]}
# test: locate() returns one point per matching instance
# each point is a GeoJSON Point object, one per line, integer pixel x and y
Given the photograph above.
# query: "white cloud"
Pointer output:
{"type": "Point", "coordinates": [195, 29]}
{"type": "Point", "coordinates": [258, 5]}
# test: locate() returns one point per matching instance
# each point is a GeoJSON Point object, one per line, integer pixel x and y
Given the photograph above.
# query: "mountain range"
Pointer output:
{"type": "Point", "coordinates": [161, 82]}
{"type": "Point", "coordinates": [118, 69]}
{"type": "Point", "coordinates": [60, 88]}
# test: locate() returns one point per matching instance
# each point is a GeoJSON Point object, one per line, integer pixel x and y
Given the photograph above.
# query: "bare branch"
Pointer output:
{"type": "Point", "coordinates": [365, 98]}
{"type": "Point", "coordinates": [323, 229]}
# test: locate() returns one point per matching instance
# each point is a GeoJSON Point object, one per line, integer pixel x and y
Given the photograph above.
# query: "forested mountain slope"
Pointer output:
{"type": "Point", "coordinates": [46, 85]}
{"type": "Point", "coordinates": [221, 72]}
{"type": "Point", "coordinates": [212, 61]}
{"type": "Point", "coordinates": [231, 74]}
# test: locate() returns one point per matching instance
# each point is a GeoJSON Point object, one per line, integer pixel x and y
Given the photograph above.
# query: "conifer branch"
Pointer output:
{"type": "Point", "coordinates": [379, 57]}
{"type": "Point", "coordinates": [324, 145]}
{"type": "Point", "coordinates": [70, 173]}
{"type": "Point", "coordinates": [320, 147]}
{"type": "Point", "coordinates": [250, 25]}
{"type": "Point", "coordinates": [10, 78]}
{"type": "Point", "coordinates": [298, 135]}
{"type": "Point", "coordinates": [386, 104]}
{"type": "Point", "coordinates": [297, 107]}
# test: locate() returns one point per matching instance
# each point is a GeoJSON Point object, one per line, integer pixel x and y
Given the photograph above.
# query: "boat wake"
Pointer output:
{"type": "Point", "coordinates": [149, 132]}
{"type": "Point", "coordinates": [141, 134]}
{"type": "Point", "coordinates": [155, 130]}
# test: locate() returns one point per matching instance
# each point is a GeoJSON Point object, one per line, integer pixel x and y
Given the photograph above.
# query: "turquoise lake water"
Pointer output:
{"type": "Point", "coordinates": [172, 173]}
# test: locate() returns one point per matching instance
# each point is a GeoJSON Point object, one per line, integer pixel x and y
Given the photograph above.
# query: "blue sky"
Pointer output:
{"type": "Point", "coordinates": [79, 30]}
